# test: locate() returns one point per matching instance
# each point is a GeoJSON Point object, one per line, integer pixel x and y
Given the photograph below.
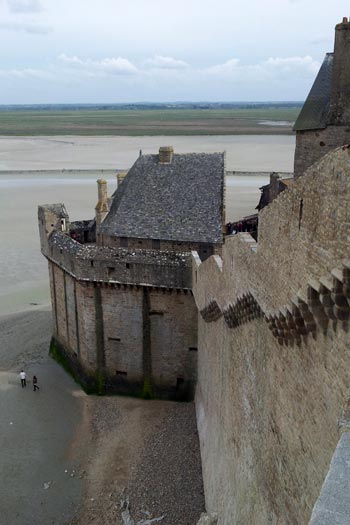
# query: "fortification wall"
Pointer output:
{"type": "Point", "coordinates": [126, 334]}
{"type": "Point", "coordinates": [311, 145]}
{"type": "Point", "coordinates": [89, 262]}
{"type": "Point", "coordinates": [204, 249]}
{"type": "Point", "coordinates": [273, 353]}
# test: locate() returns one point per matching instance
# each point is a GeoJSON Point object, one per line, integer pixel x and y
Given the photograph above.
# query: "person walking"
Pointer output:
{"type": "Point", "coordinates": [35, 383]}
{"type": "Point", "coordinates": [22, 376]}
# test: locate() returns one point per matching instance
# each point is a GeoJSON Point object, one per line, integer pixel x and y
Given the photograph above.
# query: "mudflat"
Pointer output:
{"type": "Point", "coordinates": [243, 152]}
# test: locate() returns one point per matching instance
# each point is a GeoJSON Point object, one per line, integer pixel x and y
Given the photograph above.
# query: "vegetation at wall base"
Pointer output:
{"type": "Point", "coordinates": [147, 391]}
{"type": "Point", "coordinates": [58, 354]}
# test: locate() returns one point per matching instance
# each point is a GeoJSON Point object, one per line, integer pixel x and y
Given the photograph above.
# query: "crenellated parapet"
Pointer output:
{"type": "Point", "coordinates": [326, 305]}
{"type": "Point", "coordinates": [89, 262]}
{"type": "Point", "coordinates": [273, 355]}
{"type": "Point", "coordinates": [297, 278]}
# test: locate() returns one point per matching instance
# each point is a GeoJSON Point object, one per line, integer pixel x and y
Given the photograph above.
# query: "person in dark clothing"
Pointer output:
{"type": "Point", "coordinates": [35, 383]}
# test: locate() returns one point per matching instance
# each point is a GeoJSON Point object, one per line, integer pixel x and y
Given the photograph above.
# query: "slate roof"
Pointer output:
{"type": "Point", "coordinates": [314, 112]}
{"type": "Point", "coordinates": [180, 201]}
{"type": "Point", "coordinates": [59, 209]}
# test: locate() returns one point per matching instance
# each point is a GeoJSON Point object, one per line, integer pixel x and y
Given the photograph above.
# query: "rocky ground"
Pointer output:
{"type": "Point", "coordinates": [108, 460]}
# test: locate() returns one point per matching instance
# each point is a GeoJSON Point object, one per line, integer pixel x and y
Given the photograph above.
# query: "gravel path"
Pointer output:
{"type": "Point", "coordinates": [148, 456]}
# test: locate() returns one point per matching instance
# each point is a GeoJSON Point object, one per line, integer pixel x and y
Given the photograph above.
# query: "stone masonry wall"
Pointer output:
{"type": "Point", "coordinates": [312, 145]}
{"type": "Point", "coordinates": [173, 337]}
{"type": "Point", "coordinates": [122, 317]}
{"type": "Point", "coordinates": [89, 262]}
{"type": "Point", "coordinates": [149, 244]}
{"type": "Point", "coordinates": [273, 352]}
{"type": "Point", "coordinates": [101, 328]}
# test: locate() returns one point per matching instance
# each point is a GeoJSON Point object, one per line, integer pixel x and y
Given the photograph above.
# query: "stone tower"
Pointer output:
{"type": "Point", "coordinates": [324, 121]}
{"type": "Point", "coordinates": [121, 284]}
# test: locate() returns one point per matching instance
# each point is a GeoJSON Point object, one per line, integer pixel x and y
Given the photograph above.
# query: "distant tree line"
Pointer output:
{"type": "Point", "coordinates": [152, 106]}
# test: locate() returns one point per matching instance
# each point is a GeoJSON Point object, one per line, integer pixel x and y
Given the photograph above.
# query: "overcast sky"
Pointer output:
{"type": "Point", "coordinates": [70, 51]}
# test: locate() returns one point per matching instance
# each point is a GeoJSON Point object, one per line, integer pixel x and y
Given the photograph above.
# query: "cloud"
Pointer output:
{"type": "Point", "coordinates": [26, 73]}
{"type": "Point", "coordinates": [162, 62]}
{"type": "Point", "coordinates": [103, 78]}
{"type": "Point", "coordinates": [234, 70]}
{"type": "Point", "coordinates": [107, 66]}
{"type": "Point", "coordinates": [228, 67]}
{"type": "Point", "coordinates": [33, 29]}
{"type": "Point", "coordinates": [24, 6]}
{"type": "Point", "coordinates": [293, 63]}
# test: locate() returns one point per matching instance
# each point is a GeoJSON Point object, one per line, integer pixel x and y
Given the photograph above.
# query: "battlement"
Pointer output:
{"type": "Point", "coordinates": [273, 350]}
{"type": "Point", "coordinates": [143, 267]}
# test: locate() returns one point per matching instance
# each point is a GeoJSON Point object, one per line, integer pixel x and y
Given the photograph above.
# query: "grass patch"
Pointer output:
{"type": "Point", "coordinates": [137, 122]}
{"type": "Point", "coordinates": [147, 390]}
{"type": "Point", "coordinates": [58, 354]}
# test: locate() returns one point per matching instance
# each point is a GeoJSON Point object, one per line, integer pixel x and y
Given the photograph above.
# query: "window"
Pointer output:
{"type": "Point", "coordinates": [179, 382]}
{"type": "Point", "coordinates": [193, 349]}
{"type": "Point", "coordinates": [113, 338]}
{"type": "Point", "coordinates": [123, 242]}
{"type": "Point", "coordinates": [301, 206]}
{"type": "Point", "coordinates": [156, 244]}
{"type": "Point", "coordinates": [110, 270]}
{"type": "Point", "coordinates": [92, 263]}
{"type": "Point", "coordinates": [127, 266]}
{"type": "Point", "coordinates": [121, 373]}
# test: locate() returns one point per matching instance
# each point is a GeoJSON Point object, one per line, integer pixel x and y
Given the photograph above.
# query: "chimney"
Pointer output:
{"type": "Point", "coordinates": [101, 207]}
{"type": "Point", "coordinates": [339, 111]}
{"type": "Point", "coordinates": [121, 176]}
{"type": "Point", "coordinates": [166, 154]}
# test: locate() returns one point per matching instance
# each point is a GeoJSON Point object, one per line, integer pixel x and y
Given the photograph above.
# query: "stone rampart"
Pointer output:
{"type": "Point", "coordinates": [124, 320]}
{"type": "Point", "coordinates": [311, 145]}
{"type": "Point", "coordinates": [89, 262]}
{"type": "Point", "coordinates": [204, 249]}
{"type": "Point", "coordinates": [273, 353]}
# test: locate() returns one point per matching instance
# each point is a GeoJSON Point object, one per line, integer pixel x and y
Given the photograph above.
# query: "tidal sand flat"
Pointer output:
{"type": "Point", "coordinates": [243, 152]}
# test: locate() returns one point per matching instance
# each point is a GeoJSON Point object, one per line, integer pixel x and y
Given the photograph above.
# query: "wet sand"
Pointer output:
{"type": "Point", "coordinates": [36, 428]}
{"type": "Point", "coordinates": [243, 152]}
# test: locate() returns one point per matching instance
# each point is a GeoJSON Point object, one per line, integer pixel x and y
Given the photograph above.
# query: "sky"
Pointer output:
{"type": "Point", "coordinates": [115, 51]}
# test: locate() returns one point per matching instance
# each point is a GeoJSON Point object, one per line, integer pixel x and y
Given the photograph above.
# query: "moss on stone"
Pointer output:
{"type": "Point", "coordinates": [147, 390]}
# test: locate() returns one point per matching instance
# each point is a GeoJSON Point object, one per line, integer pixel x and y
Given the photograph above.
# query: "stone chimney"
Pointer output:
{"type": "Point", "coordinates": [101, 207]}
{"type": "Point", "coordinates": [339, 111]}
{"type": "Point", "coordinates": [166, 154]}
{"type": "Point", "coordinates": [121, 176]}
